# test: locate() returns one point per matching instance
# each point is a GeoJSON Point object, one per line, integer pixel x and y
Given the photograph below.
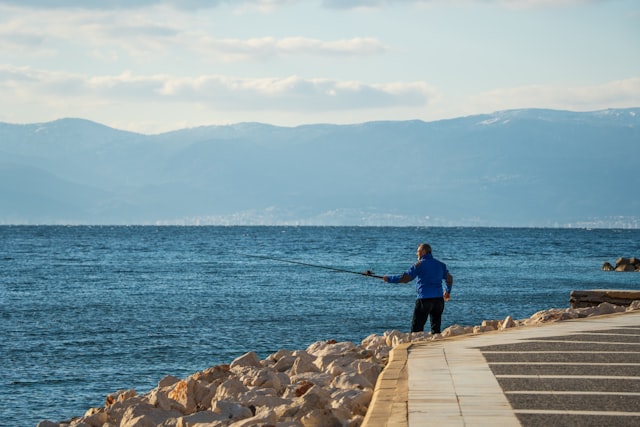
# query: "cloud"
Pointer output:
{"type": "Point", "coordinates": [139, 4]}
{"type": "Point", "coordinates": [265, 5]}
{"type": "Point", "coordinates": [269, 47]}
{"type": "Point", "coordinates": [291, 93]}
{"type": "Point", "coordinates": [515, 4]}
{"type": "Point", "coordinates": [151, 34]}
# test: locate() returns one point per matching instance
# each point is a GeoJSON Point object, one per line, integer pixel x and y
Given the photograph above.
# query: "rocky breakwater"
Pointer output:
{"type": "Point", "coordinates": [623, 264]}
{"type": "Point", "coordinates": [328, 384]}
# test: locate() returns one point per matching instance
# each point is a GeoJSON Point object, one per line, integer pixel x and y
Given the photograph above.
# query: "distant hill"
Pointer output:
{"type": "Point", "coordinates": [510, 168]}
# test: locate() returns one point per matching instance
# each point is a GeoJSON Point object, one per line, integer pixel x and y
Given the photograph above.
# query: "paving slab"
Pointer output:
{"type": "Point", "coordinates": [575, 372]}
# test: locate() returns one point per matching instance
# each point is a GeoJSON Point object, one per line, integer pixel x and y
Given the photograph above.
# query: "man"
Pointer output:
{"type": "Point", "coordinates": [430, 298]}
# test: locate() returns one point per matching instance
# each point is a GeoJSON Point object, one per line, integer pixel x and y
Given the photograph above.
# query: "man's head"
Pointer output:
{"type": "Point", "coordinates": [423, 249]}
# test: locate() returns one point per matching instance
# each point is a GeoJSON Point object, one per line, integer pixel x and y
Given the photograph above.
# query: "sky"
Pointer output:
{"type": "Point", "coordinates": [153, 66]}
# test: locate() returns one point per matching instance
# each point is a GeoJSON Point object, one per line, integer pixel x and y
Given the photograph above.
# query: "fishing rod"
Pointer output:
{"type": "Point", "coordinates": [367, 273]}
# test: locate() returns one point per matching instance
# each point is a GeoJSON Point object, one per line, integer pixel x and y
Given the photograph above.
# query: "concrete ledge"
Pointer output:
{"type": "Point", "coordinates": [388, 406]}
{"type": "Point", "coordinates": [594, 297]}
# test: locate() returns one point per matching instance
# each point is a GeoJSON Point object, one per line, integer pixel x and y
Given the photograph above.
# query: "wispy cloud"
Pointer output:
{"type": "Point", "coordinates": [269, 47]}
{"type": "Point", "coordinates": [218, 92]}
{"type": "Point", "coordinates": [520, 4]}
{"type": "Point", "coordinates": [128, 4]}
{"type": "Point", "coordinates": [149, 34]}
{"type": "Point", "coordinates": [267, 5]}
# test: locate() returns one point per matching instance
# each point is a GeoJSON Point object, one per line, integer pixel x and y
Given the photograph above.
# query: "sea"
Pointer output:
{"type": "Point", "coordinates": [86, 311]}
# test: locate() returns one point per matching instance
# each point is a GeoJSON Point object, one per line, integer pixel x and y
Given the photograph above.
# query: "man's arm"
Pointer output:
{"type": "Point", "coordinates": [449, 281]}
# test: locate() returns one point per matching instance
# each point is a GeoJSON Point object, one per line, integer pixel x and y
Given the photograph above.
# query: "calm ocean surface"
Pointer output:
{"type": "Point", "coordinates": [86, 311]}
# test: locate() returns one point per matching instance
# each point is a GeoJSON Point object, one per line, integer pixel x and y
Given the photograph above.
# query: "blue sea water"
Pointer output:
{"type": "Point", "coordinates": [86, 311]}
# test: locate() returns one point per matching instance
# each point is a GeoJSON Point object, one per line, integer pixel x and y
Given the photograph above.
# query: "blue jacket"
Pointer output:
{"type": "Point", "coordinates": [430, 273]}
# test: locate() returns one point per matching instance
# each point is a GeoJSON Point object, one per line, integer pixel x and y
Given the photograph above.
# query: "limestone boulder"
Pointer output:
{"type": "Point", "coordinates": [331, 347]}
{"type": "Point", "coordinates": [160, 399]}
{"type": "Point", "coordinates": [211, 375]}
{"type": "Point", "coordinates": [94, 417]}
{"type": "Point", "coordinates": [231, 389]}
{"type": "Point", "coordinates": [168, 381]}
{"type": "Point", "coordinates": [635, 305]}
{"type": "Point", "coordinates": [351, 380]}
{"type": "Point", "coordinates": [231, 410]}
{"type": "Point", "coordinates": [284, 363]}
{"type": "Point", "coordinates": [368, 369]}
{"type": "Point", "coordinates": [507, 323]}
{"type": "Point", "coordinates": [184, 392]}
{"type": "Point", "coordinates": [146, 415]}
{"type": "Point", "coordinates": [303, 363]}
{"type": "Point", "coordinates": [246, 360]}
{"type": "Point", "coordinates": [267, 418]}
{"type": "Point", "coordinates": [321, 418]}
{"type": "Point", "coordinates": [119, 396]}
{"type": "Point", "coordinates": [456, 330]}
{"type": "Point", "coordinates": [203, 419]}
{"type": "Point", "coordinates": [607, 308]}
{"type": "Point", "coordinates": [355, 400]}
{"type": "Point", "coordinates": [261, 397]}
{"type": "Point", "coordinates": [321, 379]}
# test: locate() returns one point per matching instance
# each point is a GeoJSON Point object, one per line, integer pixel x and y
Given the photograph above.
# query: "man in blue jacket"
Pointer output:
{"type": "Point", "coordinates": [430, 298]}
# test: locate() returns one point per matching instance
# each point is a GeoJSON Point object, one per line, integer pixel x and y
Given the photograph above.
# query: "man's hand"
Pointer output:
{"type": "Point", "coordinates": [385, 278]}
{"type": "Point", "coordinates": [446, 296]}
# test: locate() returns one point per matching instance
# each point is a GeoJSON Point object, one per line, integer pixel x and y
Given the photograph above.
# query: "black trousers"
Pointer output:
{"type": "Point", "coordinates": [427, 307]}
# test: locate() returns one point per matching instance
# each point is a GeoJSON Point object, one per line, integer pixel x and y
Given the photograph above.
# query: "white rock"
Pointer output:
{"type": "Point", "coordinates": [418, 336]}
{"type": "Point", "coordinates": [262, 397]}
{"type": "Point", "coordinates": [285, 363]}
{"type": "Point", "coordinates": [351, 380]}
{"type": "Point", "coordinates": [167, 381]}
{"type": "Point", "coordinates": [159, 399]}
{"type": "Point", "coordinates": [356, 401]}
{"type": "Point", "coordinates": [318, 378]}
{"type": "Point", "coordinates": [315, 398]}
{"type": "Point", "coordinates": [326, 348]}
{"type": "Point", "coordinates": [607, 308]}
{"type": "Point", "coordinates": [120, 396]}
{"type": "Point", "coordinates": [490, 325]}
{"type": "Point", "coordinates": [143, 415]}
{"type": "Point", "coordinates": [247, 359]}
{"type": "Point", "coordinates": [303, 364]}
{"type": "Point", "coordinates": [393, 336]}
{"type": "Point", "coordinates": [635, 305]}
{"type": "Point", "coordinates": [507, 323]}
{"type": "Point", "coordinates": [215, 374]}
{"type": "Point", "coordinates": [229, 390]}
{"type": "Point", "coordinates": [320, 418]}
{"type": "Point", "coordinates": [455, 330]}
{"type": "Point", "coordinates": [370, 370]}
{"type": "Point", "coordinates": [184, 392]}
{"type": "Point", "coordinates": [202, 419]}
{"type": "Point", "coordinates": [262, 419]}
{"type": "Point", "coordinates": [231, 410]}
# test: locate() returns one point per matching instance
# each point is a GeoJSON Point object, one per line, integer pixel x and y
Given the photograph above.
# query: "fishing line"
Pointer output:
{"type": "Point", "coordinates": [367, 273]}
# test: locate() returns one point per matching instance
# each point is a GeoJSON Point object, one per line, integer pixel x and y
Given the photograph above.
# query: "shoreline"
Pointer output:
{"type": "Point", "coordinates": [328, 383]}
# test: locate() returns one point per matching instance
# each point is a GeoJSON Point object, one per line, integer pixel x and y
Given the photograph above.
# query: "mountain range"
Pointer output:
{"type": "Point", "coordinates": [527, 167]}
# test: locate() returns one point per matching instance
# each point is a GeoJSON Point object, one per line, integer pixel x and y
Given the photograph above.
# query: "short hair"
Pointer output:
{"type": "Point", "coordinates": [425, 247]}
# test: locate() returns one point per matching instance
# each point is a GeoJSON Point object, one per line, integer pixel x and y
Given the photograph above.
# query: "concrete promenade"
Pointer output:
{"type": "Point", "coordinates": [583, 372]}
